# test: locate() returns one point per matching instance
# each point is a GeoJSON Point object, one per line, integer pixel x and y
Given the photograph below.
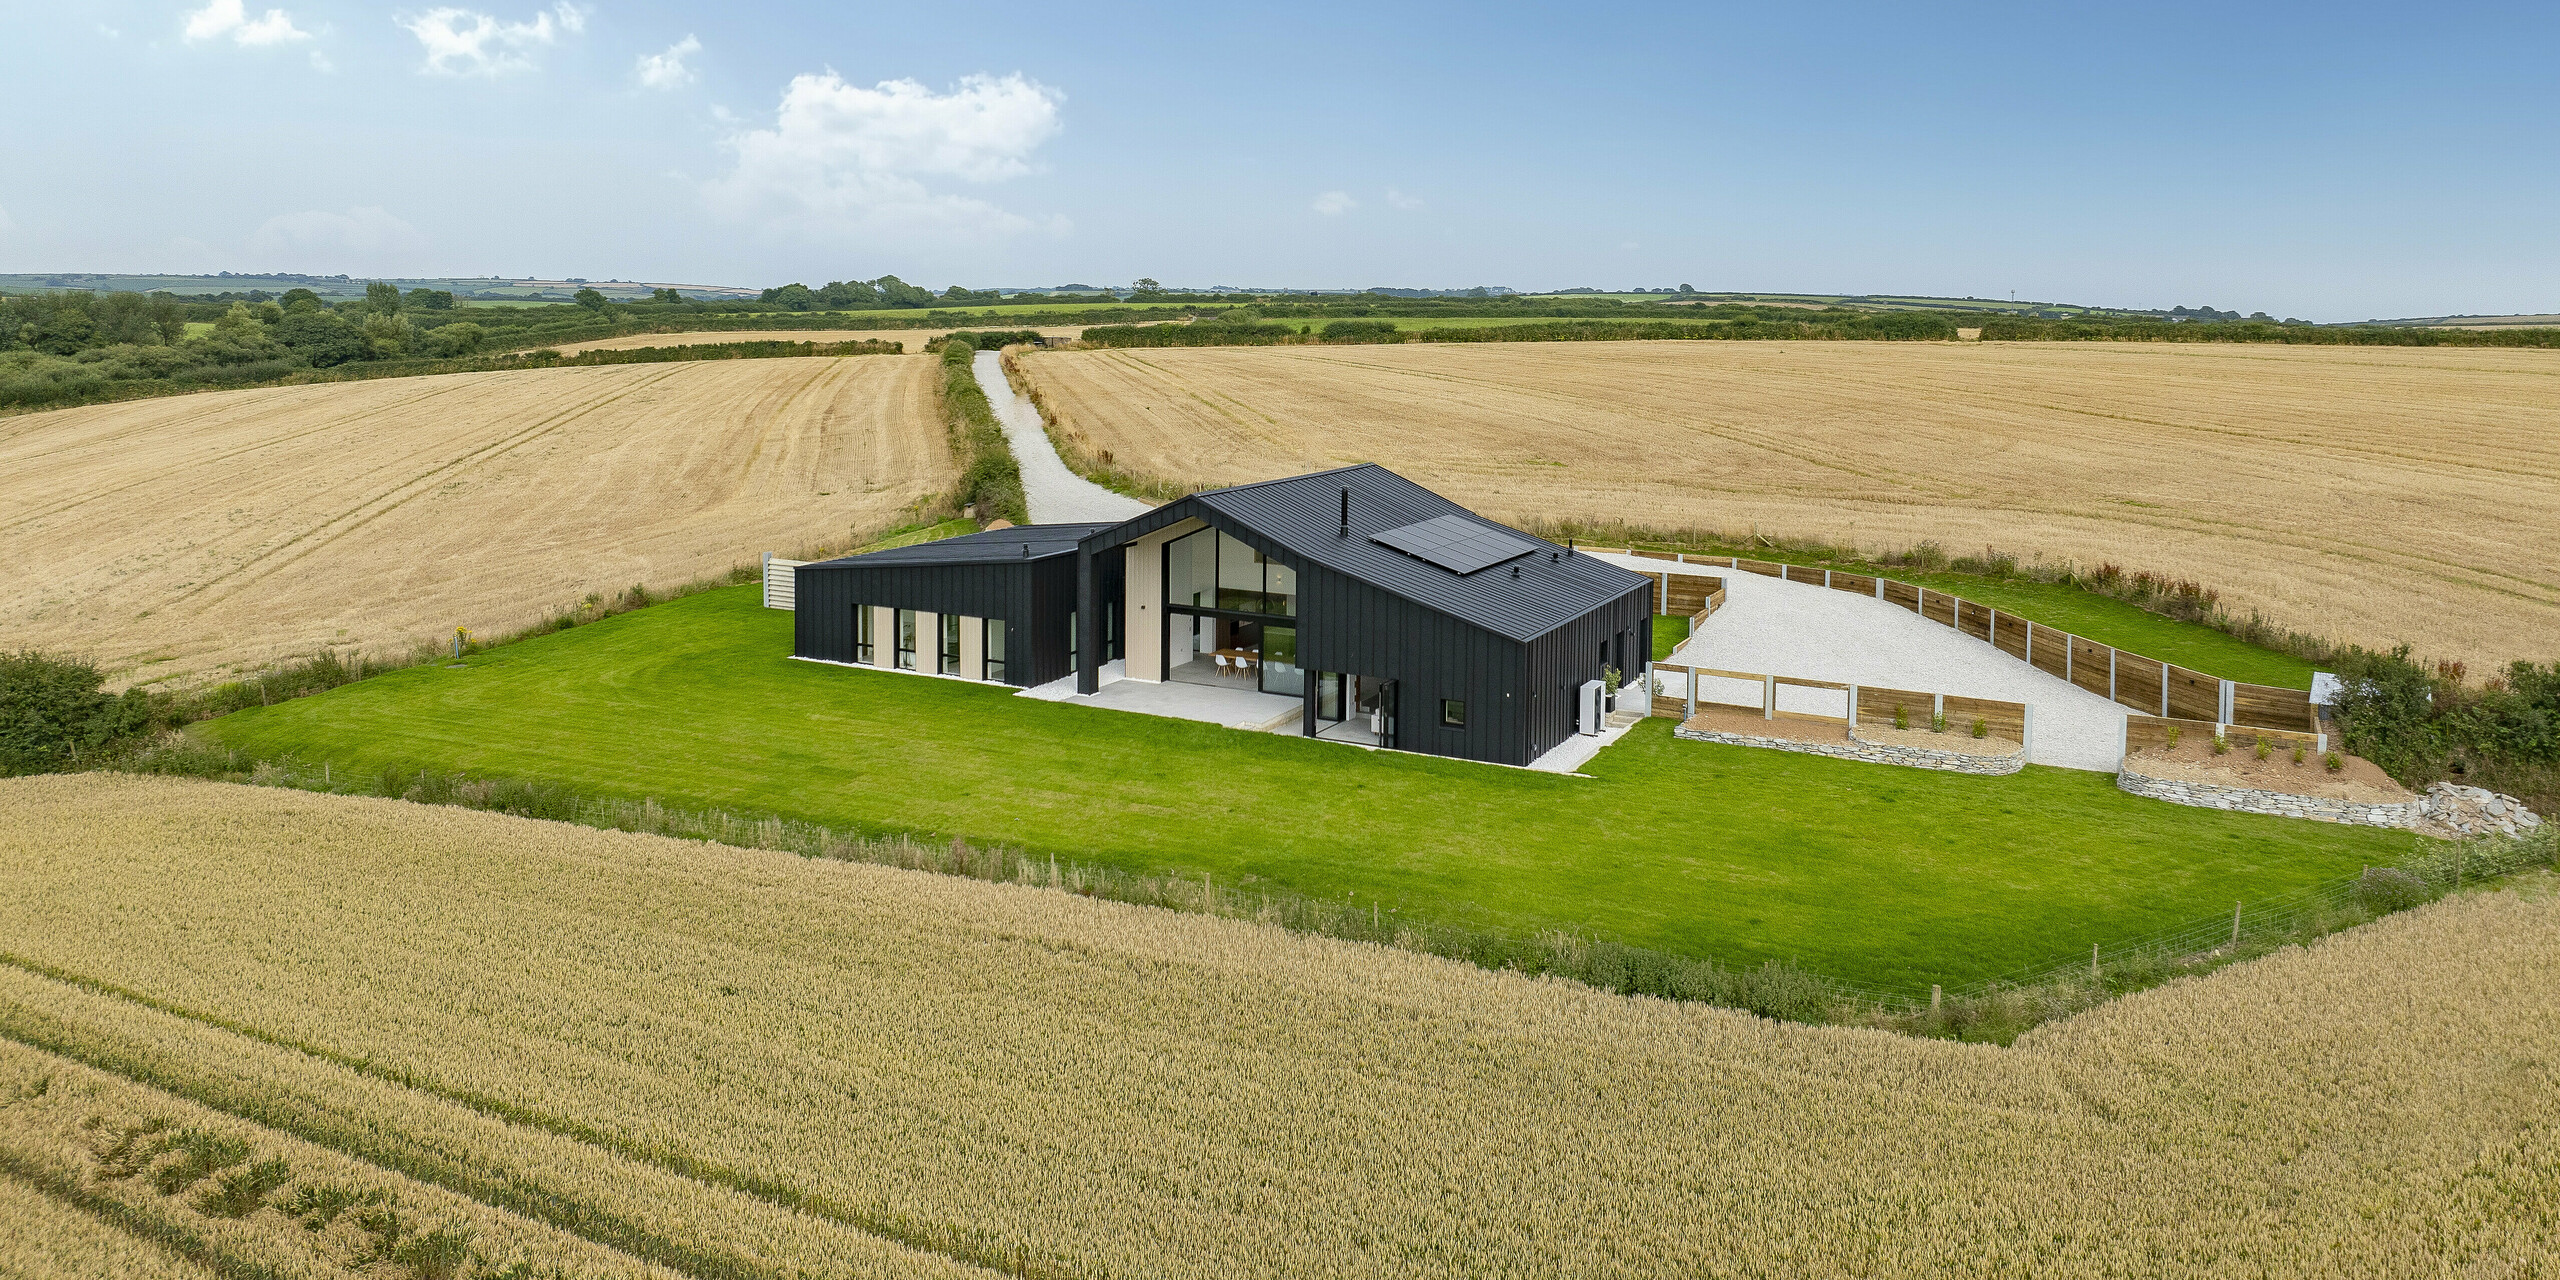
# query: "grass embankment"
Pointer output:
{"type": "Point", "coordinates": [1863, 873]}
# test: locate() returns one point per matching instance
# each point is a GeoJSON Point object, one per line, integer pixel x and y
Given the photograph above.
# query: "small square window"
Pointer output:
{"type": "Point", "coordinates": [1453, 714]}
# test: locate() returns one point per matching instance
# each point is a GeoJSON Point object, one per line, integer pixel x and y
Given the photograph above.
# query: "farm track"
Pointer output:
{"type": "Point", "coordinates": [640, 1026]}
{"type": "Point", "coordinates": [2367, 496]}
{"type": "Point", "coordinates": [199, 535]}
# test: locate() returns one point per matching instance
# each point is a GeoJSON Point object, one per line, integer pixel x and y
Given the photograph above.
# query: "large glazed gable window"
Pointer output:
{"type": "Point", "coordinates": [1211, 570]}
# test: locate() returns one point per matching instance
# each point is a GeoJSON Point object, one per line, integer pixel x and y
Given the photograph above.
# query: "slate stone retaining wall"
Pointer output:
{"type": "Point", "coordinates": [2206, 795]}
{"type": "Point", "coordinates": [1871, 752]}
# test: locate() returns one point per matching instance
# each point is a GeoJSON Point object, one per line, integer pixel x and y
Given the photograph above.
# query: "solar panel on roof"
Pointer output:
{"type": "Point", "coordinates": [1454, 543]}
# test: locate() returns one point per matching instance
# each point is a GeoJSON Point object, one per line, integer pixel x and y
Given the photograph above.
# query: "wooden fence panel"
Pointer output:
{"type": "Point", "coordinates": [1672, 556]}
{"type": "Point", "coordinates": [2051, 650]}
{"type": "Point", "coordinates": [1765, 568]}
{"type": "Point", "coordinates": [1688, 592]}
{"type": "Point", "coordinates": [1973, 620]}
{"type": "Point", "coordinates": [2141, 731]}
{"type": "Point", "coordinates": [1666, 705]}
{"type": "Point", "coordinates": [1902, 594]}
{"type": "Point", "coordinates": [2089, 666]}
{"type": "Point", "coordinates": [1938, 607]}
{"type": "Point", "coordinates": [1856, 584]}
{"type": "Point", "coordinates": [2193, 695]}
{"type": "Point", "coordinates": [2138, 681]}
{"type": "Point", "coordinates": [1876, 706]}
{"type": "Point", "coordinates": [2258, 704]}
{"type": "Point", "coordinates": [2001, 719]}
{"type": "Point", "coordinates": [2009, 634]}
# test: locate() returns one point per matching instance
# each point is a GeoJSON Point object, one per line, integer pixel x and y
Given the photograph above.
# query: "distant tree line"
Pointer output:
{"type": "Point", "coordinates": [2261, 330]}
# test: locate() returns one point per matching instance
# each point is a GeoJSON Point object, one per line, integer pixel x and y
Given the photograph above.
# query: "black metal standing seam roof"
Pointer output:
{"type": "Point", "coordinates": [1302, 515]}
{"type": "Point", "coordinates": [987, 546]}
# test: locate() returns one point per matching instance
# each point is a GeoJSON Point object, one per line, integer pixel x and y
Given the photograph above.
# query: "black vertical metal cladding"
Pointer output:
{"type": "Point", "coordinates": [984, 575]}
{"type": "Point", "coordinates": [1088, 633]}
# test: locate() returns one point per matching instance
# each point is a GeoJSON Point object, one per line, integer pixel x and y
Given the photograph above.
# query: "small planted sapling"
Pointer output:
{"type": "Point", "coordinates": [2333, 763]}
{"type": "Point", "coordinates": [2221, 745]}
{"type": "Point", "coordinates": [1981, 727]}
{"type": "Point", "coordinates": [1901, 716]}
{"type": "Point", "coordinates": [2264, 747]}
{"type": "Point", "coordinates": [2298, 750]}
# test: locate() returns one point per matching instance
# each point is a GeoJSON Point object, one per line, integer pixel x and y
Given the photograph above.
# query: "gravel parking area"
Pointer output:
{"type": "Point", "coordinates": [1799, 629]}
{"type": "Point", "coordinates": [1056, 495]}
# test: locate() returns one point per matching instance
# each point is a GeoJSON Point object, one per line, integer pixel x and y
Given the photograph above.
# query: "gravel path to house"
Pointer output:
{"type": "Point", "coordinates": [1799, 629]}
{"type": "Point", "coordinates": [1056, 494]}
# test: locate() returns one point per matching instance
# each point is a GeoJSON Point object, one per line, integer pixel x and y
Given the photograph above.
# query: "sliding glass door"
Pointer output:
{"type": "Point", "coordinates": [1230, 615]}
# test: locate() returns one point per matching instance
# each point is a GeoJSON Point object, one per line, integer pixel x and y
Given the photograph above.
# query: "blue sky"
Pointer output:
{"type": "Point", "coordinates": [2330, 161]}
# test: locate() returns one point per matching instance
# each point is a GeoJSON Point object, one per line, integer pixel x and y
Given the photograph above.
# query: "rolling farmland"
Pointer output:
{"type": "Point", "coordinates": [2368, 494]}
{"type": "Point", "coordinates": [884, 1072]}
{"type": "Point", "coordinates": [190, 535]}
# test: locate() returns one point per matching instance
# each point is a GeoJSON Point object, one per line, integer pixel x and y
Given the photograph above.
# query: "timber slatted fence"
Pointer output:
{"type": "Point", "coordinates": [2155, 688]}
{"type": "Point", "coordinates": [1859, 704]}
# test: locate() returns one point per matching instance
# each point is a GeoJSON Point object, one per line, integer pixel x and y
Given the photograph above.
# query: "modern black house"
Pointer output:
{"type": "Point", "coordinates": [1394, 616]}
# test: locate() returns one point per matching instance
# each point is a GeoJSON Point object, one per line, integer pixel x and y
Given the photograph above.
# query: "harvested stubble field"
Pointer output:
{"type": "Point", "coordinates": [196, 534]}
{"type": "Point", "coordinates": [2367, 494]}
{"type": "Point", "coordinates": [913, 340]}
{"type": "Point", "coordinates": [632, 1031]}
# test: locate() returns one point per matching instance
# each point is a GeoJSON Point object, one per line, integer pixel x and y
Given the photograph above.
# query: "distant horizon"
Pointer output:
{"type": "Point", "coordinates": [1262, 290]}
{"type": "Point", "coordinates": [2322, 161]}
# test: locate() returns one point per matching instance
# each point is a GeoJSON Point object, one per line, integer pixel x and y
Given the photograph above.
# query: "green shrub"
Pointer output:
{"type": "Point", "coordinates": [2386, 889]}
{"type": "Point", "coordinates": [1362, 331]}
{"type": "Point", "coordinates": [1901, 717]}
{"type": "Point", "coordinates": [1981, 727]}
{"type": "Point", "coordinates": [1938, 722]}
{"type": "Point", "coordinates": [54, 714]}
{"type": "Point", "coordinates": [2333, 762]}
{"type": "Point", "coordinates": [2174, 734]}
{"type": "Point", "coordinates": [2221, 744]}
{"type": "Point", "coordinates": [2298, 750]}
{"type": "Point", "coordinates": [2264, 747]}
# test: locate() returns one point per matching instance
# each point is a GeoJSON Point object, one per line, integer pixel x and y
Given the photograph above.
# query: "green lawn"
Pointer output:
{"type": "Point", "coordinates": [1669, 629]}
{"type": "Point", "coordinates": [1865, 872]}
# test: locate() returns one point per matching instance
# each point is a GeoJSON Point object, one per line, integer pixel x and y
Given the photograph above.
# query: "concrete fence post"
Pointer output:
{"type": "Point", "coordinates": [2124, 737]}
{"type": "Point", "coordinates": [765, 582]}
{"type": "Point", "coordinates": [1879, 588]}
{"type": "Point", "coordinates": [2111, 675]}
{"type": "Point", "coordinates": [2229, 688]}
{"type": "Point", "coordinates": [1937, 709]}
{"type": "Point", "coordinates": [1768, 697]}
{"type": "Point", "coordinates": [2027, 730]}
{"type": "Point", "coordinates": [1826, 578]}
{"type": "Point", "coordinates": [1691, 680]}
{"type": "Point", "coordinates": [1853, 708]}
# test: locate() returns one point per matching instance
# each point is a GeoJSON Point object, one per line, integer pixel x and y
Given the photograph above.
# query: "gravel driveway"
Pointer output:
{"type": "Point", "coordinates": [1800, 629]}
{"type": "Point", "coordinates": [1056, 495]}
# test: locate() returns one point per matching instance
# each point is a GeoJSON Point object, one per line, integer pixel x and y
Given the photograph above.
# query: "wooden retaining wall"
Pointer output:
{"type": "Point", "coordinates": [1867, 704]}
{"type": "Point", "coordinates": [2153, 731]}
{"type": "Point", "coordinates": [2147, 685]}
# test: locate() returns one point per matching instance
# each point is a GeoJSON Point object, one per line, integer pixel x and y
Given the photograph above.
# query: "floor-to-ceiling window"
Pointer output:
{"type": "Point", "coordinates": [950, 664]}
{"type": "Point", "coordinates": [1232, 615]}
{"type": "Point", "coordinates": [862, 634]}
{"type": "Point", "coordinates": [906, 639]}
{"type": "Point", "coordinates": [995, 649]}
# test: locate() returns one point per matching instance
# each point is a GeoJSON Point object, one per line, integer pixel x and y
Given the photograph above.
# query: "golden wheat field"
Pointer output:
{"type": "Point", "coordinates": [193, 534]}
{"type": "Point", "coordinates": [2366, 494]}
{"type": "Point", "coordinates": [740, 1062]}
{"type": "Point", "coordinates": [912, 340]}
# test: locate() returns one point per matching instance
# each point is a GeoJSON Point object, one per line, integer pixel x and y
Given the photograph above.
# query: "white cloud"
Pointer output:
{"type": "Point", "coordinates": [841, 157]}
{"type": "Point", "coordinates": [667, 70]}
{"type": "Point", "coordinates": [463, 42]}
{"type": "Point", "coordinates": [360, 235]}
{"type": "Point", "coordinates": [228, 18]}
{"type": "Point", "coordinates": [1399, 200]}
{"type": "Point", "coordinates": [1334, 204]}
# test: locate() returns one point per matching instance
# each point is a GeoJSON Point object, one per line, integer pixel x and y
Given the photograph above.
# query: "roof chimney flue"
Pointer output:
{"type": "Point", "coordinates": [1346, 511]}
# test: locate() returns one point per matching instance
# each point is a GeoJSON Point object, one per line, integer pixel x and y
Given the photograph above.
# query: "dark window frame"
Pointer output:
{"type": "Point", "coordinates": [947, 651]}
{"type": "Point", "coordinates": [902, 640]}
{"type": "Point", "coordinates": [1459, 719]}
{"type": "Point", "coordinates": [865, 642]}
{"type": "Point", "coordinates": [991, 650]}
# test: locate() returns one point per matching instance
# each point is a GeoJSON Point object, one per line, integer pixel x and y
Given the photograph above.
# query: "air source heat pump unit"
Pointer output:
{"type": "Point", "coordinates": [1595, 706]}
